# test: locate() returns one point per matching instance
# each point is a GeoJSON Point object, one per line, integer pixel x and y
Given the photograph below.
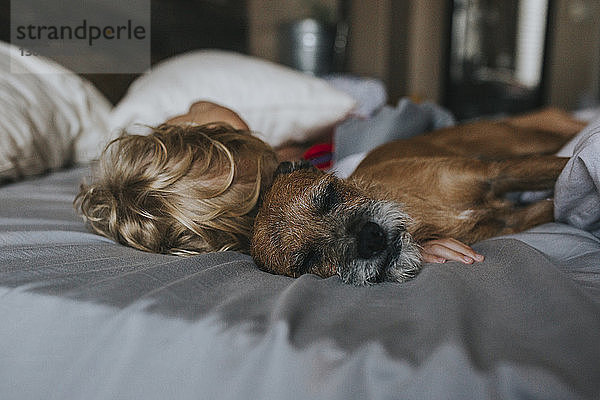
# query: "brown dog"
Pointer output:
{"type": "Point", "coordinates": [448, 183]}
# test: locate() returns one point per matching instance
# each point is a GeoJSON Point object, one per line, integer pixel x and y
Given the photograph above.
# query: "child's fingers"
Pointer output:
{"type": "Point", "coordinates": [430, 258]}
{"type": "Point", "coordinates": [461, 248]}
{"type": "Point", "coordinates": [441, 250]}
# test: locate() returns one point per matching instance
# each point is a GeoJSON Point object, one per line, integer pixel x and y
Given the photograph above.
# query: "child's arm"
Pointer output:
{"type": "Point", "coordinates": [442, 250]}
{"type": "Point", "coordinates": [204, 112]}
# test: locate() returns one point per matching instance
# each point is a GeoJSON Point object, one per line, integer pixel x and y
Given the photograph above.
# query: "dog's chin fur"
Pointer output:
{"type": "Point", "coordinates": [399, 262]}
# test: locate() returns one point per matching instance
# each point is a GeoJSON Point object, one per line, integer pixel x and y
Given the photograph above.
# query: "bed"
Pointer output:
{"type": "Point", "coordinates": [84, 317]}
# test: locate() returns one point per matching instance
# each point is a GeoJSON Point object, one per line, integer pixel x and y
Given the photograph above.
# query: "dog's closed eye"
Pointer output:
{"type": "Point", "coordinates": [305, 262]}
{"type": "Point", "coordinates": [328, 199]}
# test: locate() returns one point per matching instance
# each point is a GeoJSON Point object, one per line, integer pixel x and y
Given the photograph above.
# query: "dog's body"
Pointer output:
{"type": "Point", "coordinates": [448, 183]}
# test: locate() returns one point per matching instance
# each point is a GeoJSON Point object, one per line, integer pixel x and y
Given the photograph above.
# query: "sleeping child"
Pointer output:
{"type": "Point", "coordinates": [193, 186]}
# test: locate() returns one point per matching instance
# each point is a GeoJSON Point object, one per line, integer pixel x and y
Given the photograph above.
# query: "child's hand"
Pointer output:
{"type": "Point", "coordinates": [442, 250]}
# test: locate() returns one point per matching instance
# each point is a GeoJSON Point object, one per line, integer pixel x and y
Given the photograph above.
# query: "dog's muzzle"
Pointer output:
{"type": "Point", "coordinates": [382, 249]}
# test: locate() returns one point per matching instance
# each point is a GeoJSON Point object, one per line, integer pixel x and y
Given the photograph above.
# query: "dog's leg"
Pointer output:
{"type": "Point", "coordinates": [549, 120]}
{"type": "Point", "coordinates": [507, 220]}
{"type": "Point", "coordinates": [532, 173]}
{"type": "Point", "coordinates": [529, 216]}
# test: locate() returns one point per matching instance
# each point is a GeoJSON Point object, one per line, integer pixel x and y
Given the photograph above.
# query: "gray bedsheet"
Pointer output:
{"type": "Point", "coordinates": [85, 318]}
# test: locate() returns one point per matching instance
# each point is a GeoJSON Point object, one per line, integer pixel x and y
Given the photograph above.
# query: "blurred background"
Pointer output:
{"type": "Point", "coordinates": [476, 57]}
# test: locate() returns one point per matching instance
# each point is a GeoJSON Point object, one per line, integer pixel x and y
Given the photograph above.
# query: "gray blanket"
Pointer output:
{"type": "Point", "coordinates": [577, 195]}
{"type": "Point", "coordinates": [85, 318]}
{"type": "Point", "coordinates": [405, 120]}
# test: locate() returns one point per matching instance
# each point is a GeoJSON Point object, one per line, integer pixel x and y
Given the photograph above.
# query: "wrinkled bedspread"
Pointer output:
{"type": "Point", "coordinates": [85, 318]}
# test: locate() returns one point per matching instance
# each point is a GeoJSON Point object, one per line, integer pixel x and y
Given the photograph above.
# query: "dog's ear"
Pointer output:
{"type": "Point", "coordinates": [287, 167]}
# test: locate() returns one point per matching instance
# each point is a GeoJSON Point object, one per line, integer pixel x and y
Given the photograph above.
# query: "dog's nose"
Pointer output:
{"type": "Point", "coordinates": [371, 240]}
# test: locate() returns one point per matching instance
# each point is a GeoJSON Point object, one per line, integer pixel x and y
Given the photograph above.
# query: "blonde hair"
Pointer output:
{"type": "Point", "coordinates": [180, 190]}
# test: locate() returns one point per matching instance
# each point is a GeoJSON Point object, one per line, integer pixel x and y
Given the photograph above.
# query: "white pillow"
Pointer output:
{"type": "Point", "coordinates": [278, 103]}
{"type": "Point", "coordinates": [47, 113]}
